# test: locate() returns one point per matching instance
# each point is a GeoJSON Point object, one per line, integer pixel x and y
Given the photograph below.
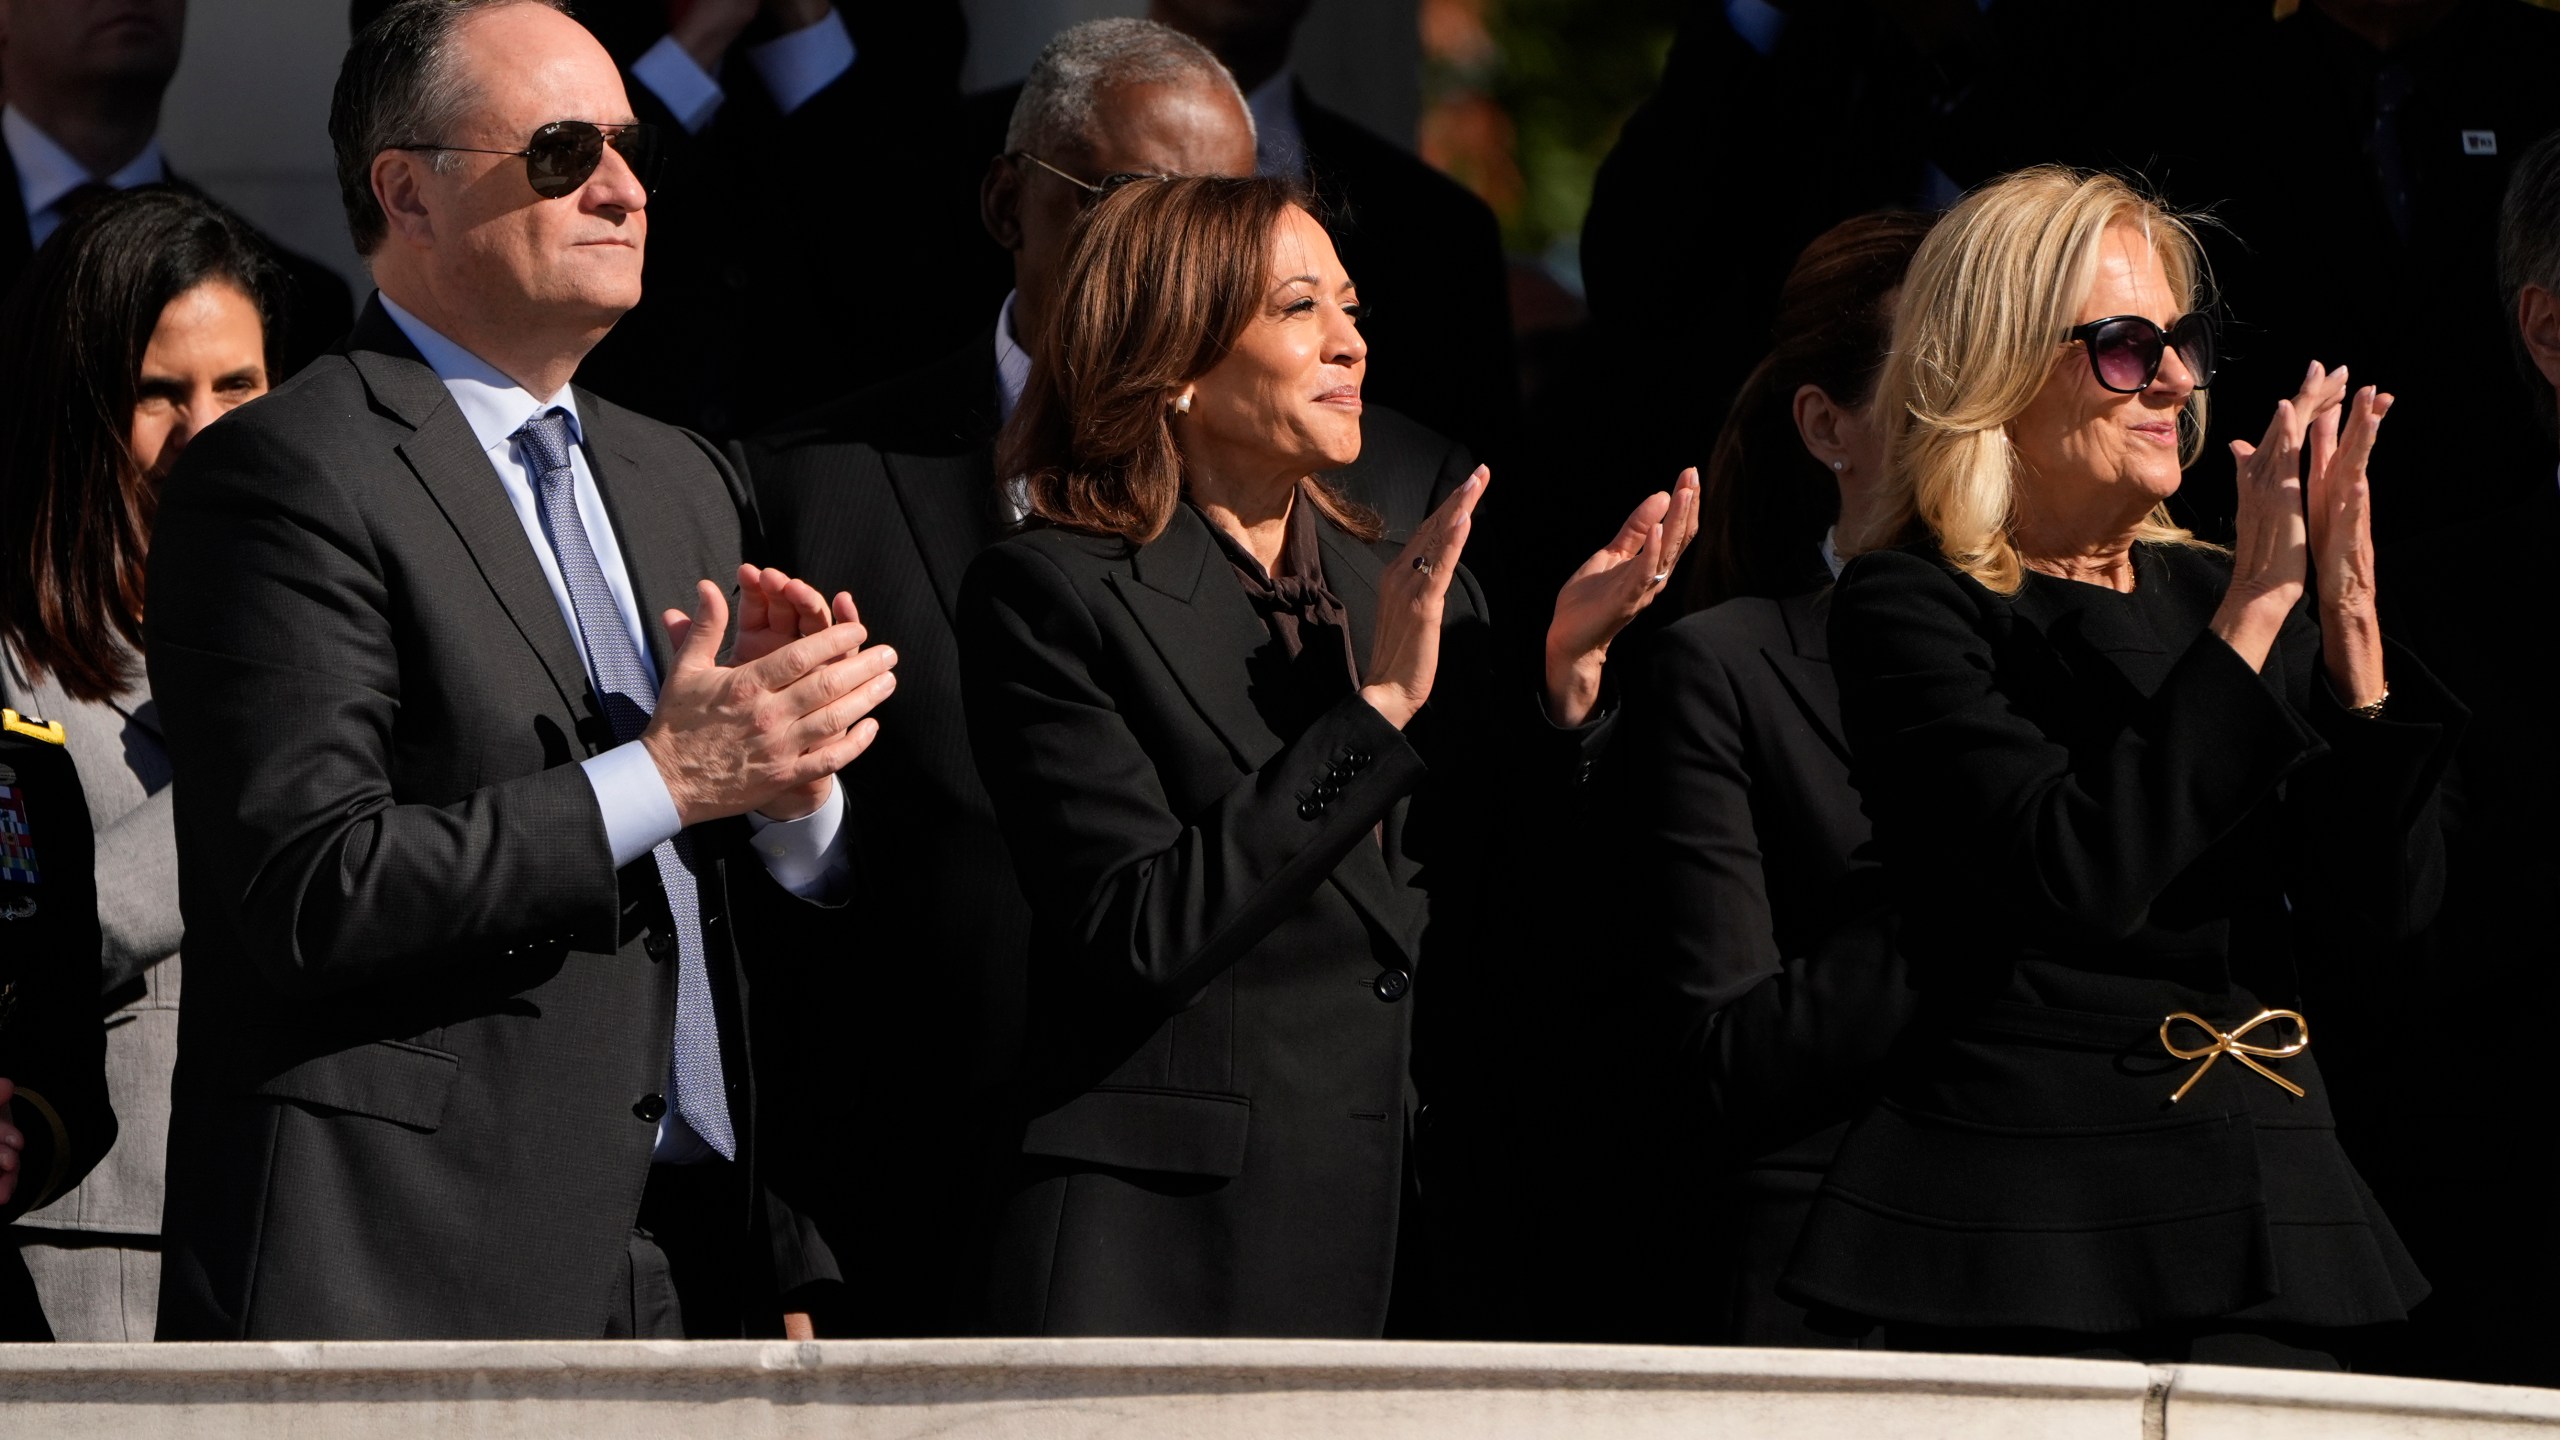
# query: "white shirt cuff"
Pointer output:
{"type": "Point", "coordinates": [798, 65]}
{"type": "Point", "coordinates": [807, 856]}
{"type": "Point", "coordinates": [682, 85]}
{"type": "Point", "coordinates": [638, 810]}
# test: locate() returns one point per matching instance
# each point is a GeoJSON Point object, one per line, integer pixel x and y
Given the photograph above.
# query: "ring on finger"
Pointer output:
{"type": "Point", "coordinates": [1658, 579]}
{"type": "Point", "coordinates": [1422, 563]}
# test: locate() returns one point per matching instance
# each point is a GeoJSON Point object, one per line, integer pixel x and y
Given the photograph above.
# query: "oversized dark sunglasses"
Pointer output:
{"type": "Point", "coordinates": [563, 154]}
{"type": "Point", "coordinates": [1093, 189]}
{"type": "Point", "coordinates": [2125, 350]}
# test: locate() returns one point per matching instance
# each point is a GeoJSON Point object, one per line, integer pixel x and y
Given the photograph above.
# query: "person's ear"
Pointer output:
{"type": "Point", "coordinates": [2538, 321]}
{"type": "Point", "coordinates": [399, 187]}
{"type": "Point", "coordinates": [1822, 423]}
{"type": "Point", "coordinates": [1000, 202]}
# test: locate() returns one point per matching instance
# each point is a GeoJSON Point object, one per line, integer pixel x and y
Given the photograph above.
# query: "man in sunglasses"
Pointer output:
{"type": "Point", "coordinates": [479, 774]}
{"type": "Point", "coordinates": [889, 493]}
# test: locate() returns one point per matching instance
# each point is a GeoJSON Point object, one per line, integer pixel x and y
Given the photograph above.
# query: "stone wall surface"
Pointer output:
{"type": "Point", "coordinates": [1236, 1390]}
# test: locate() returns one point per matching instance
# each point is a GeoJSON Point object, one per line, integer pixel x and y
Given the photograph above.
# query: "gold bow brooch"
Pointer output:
{"type": "Point", "coordinates": [2234, 1045]}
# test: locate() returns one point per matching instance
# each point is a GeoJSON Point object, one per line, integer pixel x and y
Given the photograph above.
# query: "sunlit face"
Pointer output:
{"type": "Point", "coordinates": [496, 242]}
{"type": "Point", "coordinates": [207, 355]}
{"type": "Point", "coordinates": [2077, 434]}
{"type": "Point", "coordinates": [1286, 399]}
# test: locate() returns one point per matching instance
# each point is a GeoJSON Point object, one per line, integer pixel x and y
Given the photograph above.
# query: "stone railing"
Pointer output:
{"type": "Point", "coordinates": [1232, 1390]}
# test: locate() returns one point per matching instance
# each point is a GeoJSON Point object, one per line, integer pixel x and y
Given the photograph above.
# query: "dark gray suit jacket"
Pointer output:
{"type": "Point", "coordinates": [425, 1016]}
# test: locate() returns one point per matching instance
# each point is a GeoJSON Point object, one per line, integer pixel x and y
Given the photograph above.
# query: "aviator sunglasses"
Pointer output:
{"type": "Point", "coordinates": [561, 155]}
{"type": "Point", "coordinates": [2125, 350]}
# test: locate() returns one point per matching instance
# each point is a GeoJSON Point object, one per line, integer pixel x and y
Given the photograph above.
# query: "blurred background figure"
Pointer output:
{"type": "Point", "coordinates": [1763, 975]}
{"type": "Point", "coordinates": [83, 81]}
{"type": "Point", "coordinates": [147, 316]}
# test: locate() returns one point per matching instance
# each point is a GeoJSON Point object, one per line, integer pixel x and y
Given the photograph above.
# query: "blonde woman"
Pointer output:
{"type": "Point", "coordinates": [2110, 768]}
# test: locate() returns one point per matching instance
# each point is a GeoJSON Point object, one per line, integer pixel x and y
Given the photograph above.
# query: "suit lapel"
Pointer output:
{"type": "Point", "coordinates": [949, 511]}
{"type": "Point", "coordinates": [1804, 666]}
{"type": "Point", "coordinates": [448, 460]}
{"type": "Point", "coordinates": [1204, 628]}
{"type": "Point", "coordinates": [17, 242]}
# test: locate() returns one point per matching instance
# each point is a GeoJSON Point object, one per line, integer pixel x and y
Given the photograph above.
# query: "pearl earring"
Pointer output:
{"type": "Point", "coordinates": [1182, 404]}
{"type": "Point", "coordinates": [1839, 464]}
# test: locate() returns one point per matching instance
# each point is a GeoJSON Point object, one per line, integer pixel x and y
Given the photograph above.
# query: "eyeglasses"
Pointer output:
{"type": "Point", "coordinates": [563, 154]}
{"type": "Point", "coordinates": [1093, 189]}
{"type": "Point", "coordinates": [2125, 350]}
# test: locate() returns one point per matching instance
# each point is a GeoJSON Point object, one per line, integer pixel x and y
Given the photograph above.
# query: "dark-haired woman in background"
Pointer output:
{"type": "Point", "coordinates": [1770, 987]}
{"type": "Point", "coordinates": [142, 320]}
{"type": "Point", "coordinates": [1253, 765]}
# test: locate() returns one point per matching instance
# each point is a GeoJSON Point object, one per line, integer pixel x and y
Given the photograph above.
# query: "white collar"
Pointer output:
{"type": "Point", "coordinates": [1013, 364]}
{"type": "Point", "coordinates": [1831, 551]}
{"type": "Point", "coordinates": [1279, 147]}
{"type": "Point", "coordinates": [47, 172]}
{"type": "Point", "coordinates": [495, 406]}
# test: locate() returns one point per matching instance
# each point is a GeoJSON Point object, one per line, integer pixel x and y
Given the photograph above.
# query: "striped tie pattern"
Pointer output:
{"type": "Point", "coordinates": [628, 694]}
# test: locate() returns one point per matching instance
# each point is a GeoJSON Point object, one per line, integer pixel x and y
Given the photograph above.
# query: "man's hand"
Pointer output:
{"type": "Point", "coordinates": [707, 28]}
{"type": "Point", "coordinates": [13, 1145]}
{"type": "Point", "coordinates": [733, 738]}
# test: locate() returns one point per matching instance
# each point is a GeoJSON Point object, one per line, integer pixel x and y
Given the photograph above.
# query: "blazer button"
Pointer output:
{"type": "Point", "coordinates": [660, 945]}
{"type": "Point", "coordinates": [1392, 985]}
{"type": "Point", "coordinates": [1308, 809]}
{"type": "Point", "coordinates": [651, 1108]}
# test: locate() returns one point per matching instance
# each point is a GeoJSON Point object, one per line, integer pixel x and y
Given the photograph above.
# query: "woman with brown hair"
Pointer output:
{"type": "Point", "coordinates": [1252, 765]}
{"type": "Point", "coordinates": [142, 320]}
{"type": "Point", "coordinates": [1768, 970]}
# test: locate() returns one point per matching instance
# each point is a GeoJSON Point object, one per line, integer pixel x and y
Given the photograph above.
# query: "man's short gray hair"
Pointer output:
{"type": "Point", "coordinates": [2529, 254]}
{"type": "Point", "coordinates": [399, 86]}
{"type": "Point", "coordinates": [1061, 100]}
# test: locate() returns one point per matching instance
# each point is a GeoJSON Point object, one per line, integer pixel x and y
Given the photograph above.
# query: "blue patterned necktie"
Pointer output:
{"type": "Point", "coordinates": [628, 694]}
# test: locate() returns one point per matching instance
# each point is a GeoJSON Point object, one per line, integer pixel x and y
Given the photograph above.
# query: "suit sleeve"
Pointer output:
{"type": "Point", "coordinates": [274, 660]}
{"type": "Point", "coordinates": [1147, 903]}
{"type": "Point", "coordinates": [1977, 806]}
{"type": "Point", "coordinates": [2368, 817]}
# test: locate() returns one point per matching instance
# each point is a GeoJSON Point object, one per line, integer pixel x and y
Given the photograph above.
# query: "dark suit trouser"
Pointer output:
{"type": "Point", "coordinates": [685, 1275]}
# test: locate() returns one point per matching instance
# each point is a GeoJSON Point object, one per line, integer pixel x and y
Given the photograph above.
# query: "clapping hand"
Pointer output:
{"type": "Point", "coordinates": [1611, 589]}
{"type": "Point", "coordinates": [1404, 653]}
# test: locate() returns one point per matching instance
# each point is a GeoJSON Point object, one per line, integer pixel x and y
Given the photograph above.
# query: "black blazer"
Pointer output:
{"type": "Point", "coordinates": [320, 307]}
{"type": "Point", "coordinates": [427, 1023]}
{"type": "Point", "coordinates": [2095, 816]}
{"type": "Point", "coordinates": [1772, 987]}
{"type": "Point", "coordinates": [53, 1042]}
{"type": "Point", "coordinates": [1232, 933]}
{"type": "Point", "coordinates": [890, 493]}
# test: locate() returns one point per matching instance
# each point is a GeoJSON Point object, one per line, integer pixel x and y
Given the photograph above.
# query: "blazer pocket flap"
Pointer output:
{"type": "Point", "coordinates": [1186, 1132]}
{"type": "Point", "coordinates": [405, 1084]}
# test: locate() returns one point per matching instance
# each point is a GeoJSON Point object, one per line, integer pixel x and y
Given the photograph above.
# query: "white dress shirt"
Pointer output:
{"type": "Point", "coordinates": [47, 172]}
{"type": "Point", "coordinates": [1279, 147]}
{"type": "Point", "coordinates": [794, 68]}
{"type": "Point", "coordinates": [1013, 376]}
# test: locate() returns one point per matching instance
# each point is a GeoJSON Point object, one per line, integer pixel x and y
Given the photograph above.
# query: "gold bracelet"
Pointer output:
{"type": "Point", "coordinates": [2374, 710]}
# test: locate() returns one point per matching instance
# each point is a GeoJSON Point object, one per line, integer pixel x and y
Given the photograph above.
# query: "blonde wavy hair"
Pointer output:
{"type": "Point", "coordinates": [1979, 333]}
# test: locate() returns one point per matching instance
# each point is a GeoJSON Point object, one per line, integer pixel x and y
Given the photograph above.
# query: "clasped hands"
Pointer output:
{"type": "Point", "coordinates": [768, 731]}
{"type": "Point", "coordinates": [2301, 523]}
{"type": "Point", "coordinates": [1610, 589]}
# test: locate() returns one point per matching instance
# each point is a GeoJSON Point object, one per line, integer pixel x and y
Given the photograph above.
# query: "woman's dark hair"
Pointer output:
{"type": "Point", "coordinates": [1766, 501]}
{"type": "Point", "coordinates": [75, 505]}
{"type": "Point", "coordinates": [1160, 282]}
